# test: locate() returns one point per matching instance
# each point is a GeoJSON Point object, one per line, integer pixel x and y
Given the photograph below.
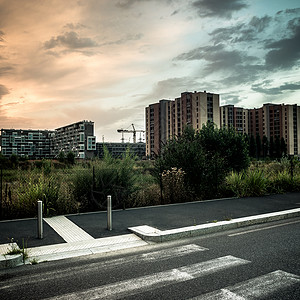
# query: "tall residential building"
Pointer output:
{"type": "Point", "coordinates": [77, 138]}
{"type": "Point", "coordinates": [168, 118]}
{"type": "Point", "coordinates": [236, 117]}
{"type": "Point", "coordinates": [270, 120]}
{"type": "Point", "coordinates": [277, 120]}
{"type": "Point", "coordinates": [26, 143]}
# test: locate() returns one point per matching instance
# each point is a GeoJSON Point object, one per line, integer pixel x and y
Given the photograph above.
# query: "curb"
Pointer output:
{"type": "Point", "coordinates": [10, 261]}
{"type": "Point", "coordinates": [151, 234]}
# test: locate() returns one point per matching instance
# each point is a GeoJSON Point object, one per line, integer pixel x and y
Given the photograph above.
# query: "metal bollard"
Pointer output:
{"type": "Point", "coordinates": [40, 219]}
{"type": "Point", "coordinates": [109, 213]}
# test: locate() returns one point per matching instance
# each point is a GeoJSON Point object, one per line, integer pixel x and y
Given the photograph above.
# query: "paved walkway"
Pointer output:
{"type": "Point", "coordinates": [69, 231]}
{"type": "Point", "coordinates": [87, 233]}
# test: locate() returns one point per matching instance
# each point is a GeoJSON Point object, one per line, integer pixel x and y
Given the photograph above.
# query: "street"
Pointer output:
{"type": "Point", "coordinates": [256, 262]}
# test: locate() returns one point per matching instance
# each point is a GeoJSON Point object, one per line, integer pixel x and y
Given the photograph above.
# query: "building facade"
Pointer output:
{"type": "Point", "coordinates": [271, 120]}
{"type": "Point", "coordinates": [277, 120]}
{"type": "Point", "coordinates": [118, 150]}
{"type": "Point", "coordinates": [77, 138]}
{"type": "Point", "coordinates": [235, 117]}
{"type": "Point", "coordinates": [34, 144]}
{"type": "Point", "coordinates": [168, 118]}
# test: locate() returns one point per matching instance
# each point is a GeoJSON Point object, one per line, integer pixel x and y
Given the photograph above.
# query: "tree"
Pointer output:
{"type": "Point", "coordinates": [71, 158]}
{"type": "Point", "coordinates": [258, 146]}
{"type": "Point", "coordinates": [61, 156]}
{"type": "Point", "coordinates": [277, 147]}
{"type": "Point", "coordinates": [265, 146]}
{"type": "Point", "coordinates": [205, 157]}
{"type": "Point", "coordinates": [252, 146]}
{"type": "Point", "coordinates": [283, 146]}
{"type": "Point", "coordinates": [272, 147]}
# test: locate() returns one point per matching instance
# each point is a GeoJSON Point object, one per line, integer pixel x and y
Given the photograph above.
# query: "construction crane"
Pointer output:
{"type": "Point", "coordinates": [134, 131]}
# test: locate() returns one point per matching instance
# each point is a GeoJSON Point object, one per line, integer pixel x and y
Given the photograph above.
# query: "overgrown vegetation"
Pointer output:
{"type": "Point", "coordinates": [211, 163]}
{"type": "Point", "coordinates": [205, 157]}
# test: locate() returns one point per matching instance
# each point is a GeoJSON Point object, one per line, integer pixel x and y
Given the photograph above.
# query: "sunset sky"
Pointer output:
{"type": "Point", "coordinates": [64, 61]}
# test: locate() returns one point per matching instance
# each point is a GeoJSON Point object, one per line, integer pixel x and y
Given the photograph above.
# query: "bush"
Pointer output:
{"type": "Point", "coordinates": [115, 177]}
{"type": "Point", "coordinates": [206, 157]}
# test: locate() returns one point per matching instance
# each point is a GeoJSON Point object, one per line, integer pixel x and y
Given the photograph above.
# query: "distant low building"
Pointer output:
{"type": "Point", "coordinates": [34, 144]}
{"type": "Point", "coordinates": [77, 138]}
{"type": "Point", "coordinates": [117, 150]}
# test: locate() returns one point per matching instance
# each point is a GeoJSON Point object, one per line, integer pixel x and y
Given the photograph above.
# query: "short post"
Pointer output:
{"type": "Point", "coordinates": [109, 213]}
{"type": "Point", "coordinates": [40, 219]}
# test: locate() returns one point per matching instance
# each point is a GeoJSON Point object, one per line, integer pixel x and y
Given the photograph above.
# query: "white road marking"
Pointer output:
{"type": "Point", "coordinates": [256, 288]}
{"type": "Point", "coordinates": [68, 230]}
{"type": "Point", "coordinates": [177, 251]}
{"type": "Point", "coordinates": [135, 259]}
{"type": "Point", "coordinates": [157, 280]}
{"type": "Point", "coordinates": [264, 228]}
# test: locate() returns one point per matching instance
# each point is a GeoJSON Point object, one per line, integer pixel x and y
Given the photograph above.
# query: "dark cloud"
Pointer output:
{"type": "Point", "coordinates": [218, 57]}
{"type": "Point", "coordinates": [172, 87]}
{"type": "Point", "coordinates": [3, 91]}
{"type": "Point", "coordinates": [200, 53]}
{"type": "Point", "coordinates": [231, 99]}
{"type": "Point", "coordinates": [242, 32]}
{"type": "Point", "coordinates": [73, 26]}
{"type": "Point", "coordinates": [1, 36]}
{"type": "Point", "coordinates": [295, 11]}
{"type": "Point", "coordinates": [129, 37]}
{"type": "Point", "coordinates": [125, 4]}
{"type": "Point", "coordinates": [262, 88]}
{"type": "Point", "coordinates": [69, 40]}
{"type": "Point", "coordinates": [4, 70]}
{"type": "Point", "coordinates": [218, 8]}
{"type": "Point", "coordinates": [285, 53]}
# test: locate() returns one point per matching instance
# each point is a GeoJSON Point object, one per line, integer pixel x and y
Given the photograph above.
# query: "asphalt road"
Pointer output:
{"type": "Point", "coordinates": [162, 217]}
{"type": "Point", "coordinates": [257, 262]}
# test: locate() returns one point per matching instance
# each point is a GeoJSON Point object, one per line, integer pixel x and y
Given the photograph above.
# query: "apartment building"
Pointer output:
{"type": "Point", "coordinates": [77, 138]}
{"type": "Point", "coordinates": [277, 120]}
{"type": "Point", "coordinates": [236, 117]}
{"type": "Point", "coordinates": [34, 144]}
{"type": "Point", "coordinates": [168, 118]}
{"type": "Point", "coordinates": [117, 150]}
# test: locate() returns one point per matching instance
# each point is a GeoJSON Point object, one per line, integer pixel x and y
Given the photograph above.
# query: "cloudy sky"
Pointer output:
{"type": "Point", "coordinates": [106, 60]}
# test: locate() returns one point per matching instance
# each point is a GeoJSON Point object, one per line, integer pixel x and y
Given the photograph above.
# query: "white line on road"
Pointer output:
{"type": "Point", "coordinates": [135, 259]}
{"type": "Point", "coordinates": [157, 280]}
{"type": "Point", "coordinates": [264, 228]}
{"type": "Point", "coordinates": [256, 288]}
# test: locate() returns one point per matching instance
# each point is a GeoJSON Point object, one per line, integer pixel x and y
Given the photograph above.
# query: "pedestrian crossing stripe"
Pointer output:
{"type": "Point", "coordinates": [157, 280]}
{"type": "Point", "coordinates": [159, 255]}
{"type": "Point", "coordinates": [256, 288]}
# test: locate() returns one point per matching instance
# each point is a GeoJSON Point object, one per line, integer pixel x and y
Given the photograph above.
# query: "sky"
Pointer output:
{"type": "Point", "coordinates": [106, 60]}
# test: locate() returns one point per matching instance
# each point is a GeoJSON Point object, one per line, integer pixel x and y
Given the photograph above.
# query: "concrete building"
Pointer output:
{"type": "Point", "coordinates": [270, 120]}
{"type": "Point", "coordinates": [236, 117]}
{"type": "Point", "coordinates": [168, 118]}
{"type": "Point", "coordinates": [117, 150]}
{"type": "Point", "coordinates": [277, 120]}
{"type": "Point", "coordinates": [77, 138]}
{"type": "Point", "coordinates": [34, 144]}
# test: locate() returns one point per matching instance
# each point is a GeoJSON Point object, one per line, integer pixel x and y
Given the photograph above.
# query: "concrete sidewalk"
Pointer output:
{"type": "Point", "coordinates": [81, 234]}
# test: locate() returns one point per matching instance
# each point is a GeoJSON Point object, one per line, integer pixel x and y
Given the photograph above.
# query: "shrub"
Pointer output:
{"type": "Point", "coordinates": [247, 183]}
{"type": "Point", "coordinates": [206, 157]}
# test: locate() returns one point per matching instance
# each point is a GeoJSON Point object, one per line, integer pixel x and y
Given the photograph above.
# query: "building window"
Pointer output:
{"type": "Point", "coordinates": [81, 139]}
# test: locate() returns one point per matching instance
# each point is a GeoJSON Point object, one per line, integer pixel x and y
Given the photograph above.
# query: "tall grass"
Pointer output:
{"type": "Point", "coordinates": [264, 178]}
{"type": "Point", "coordinates": [85, 186]}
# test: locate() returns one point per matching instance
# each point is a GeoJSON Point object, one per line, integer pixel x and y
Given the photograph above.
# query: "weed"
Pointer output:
{"type": "Point", "coordinates": [14, 248]}
{"type": "Point", "coordinates": [34, 261]}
